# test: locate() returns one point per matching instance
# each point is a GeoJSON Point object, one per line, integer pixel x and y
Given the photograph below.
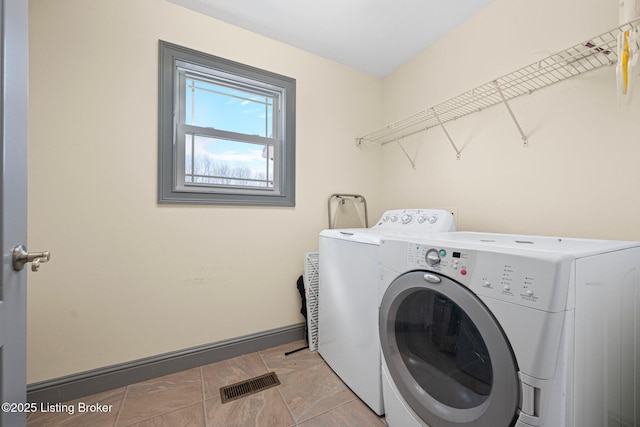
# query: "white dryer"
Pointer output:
{"type": "Point", "coordinates": [490, 330]}
{"type": "Point", "coordinates": [348, 296]}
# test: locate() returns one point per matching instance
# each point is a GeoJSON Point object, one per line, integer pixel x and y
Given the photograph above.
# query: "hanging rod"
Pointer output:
{"type": "Point", "coordinates": [594, 53]}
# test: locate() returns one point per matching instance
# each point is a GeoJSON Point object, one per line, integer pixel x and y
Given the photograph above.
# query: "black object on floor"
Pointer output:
{"type": "Point", "coordinates": [295, 351]}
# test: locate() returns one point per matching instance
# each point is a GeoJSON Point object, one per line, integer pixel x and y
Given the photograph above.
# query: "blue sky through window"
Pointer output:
{"type": "Point", "coordinates": [229, 109]}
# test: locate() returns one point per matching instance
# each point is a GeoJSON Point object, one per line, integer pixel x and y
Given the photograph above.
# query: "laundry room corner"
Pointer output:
{"type": "Point", "coordinates": [580, 161]}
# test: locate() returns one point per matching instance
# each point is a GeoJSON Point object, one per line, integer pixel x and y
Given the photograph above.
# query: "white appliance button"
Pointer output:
{"type": "Point", "coordinates": [406, 218]}
{"type": "Point", "coordinates": [394, 218]}
{"type": "Point", "coordinates": [432, 219]}
{"type": "Point", "coordinates": [421, 219]}
{"type": "Point", "coordinates": [530, 292]}
{"type": "Point", "coordinates": [487, 284]}
{"type": "Point", "coordinates": [507, 287]}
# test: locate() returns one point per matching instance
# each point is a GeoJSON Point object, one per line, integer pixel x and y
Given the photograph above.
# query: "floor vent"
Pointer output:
{"type": "Point", "coordinates": [245, 388]}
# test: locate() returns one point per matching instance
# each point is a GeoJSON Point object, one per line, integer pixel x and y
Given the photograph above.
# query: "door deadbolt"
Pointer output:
{"type": "Point", "coordinates": [21, 257]}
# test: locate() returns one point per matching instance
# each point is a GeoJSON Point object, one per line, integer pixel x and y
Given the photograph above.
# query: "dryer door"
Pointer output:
{"type": "Point", "coordinates": [446, 353]}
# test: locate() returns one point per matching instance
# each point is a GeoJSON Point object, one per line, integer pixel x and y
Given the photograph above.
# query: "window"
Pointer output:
{"type": "Point", "coordinates": [226, 131]}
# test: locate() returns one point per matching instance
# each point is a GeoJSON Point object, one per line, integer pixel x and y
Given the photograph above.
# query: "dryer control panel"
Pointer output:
{"type": "Point", "coordinates": [533, 282]}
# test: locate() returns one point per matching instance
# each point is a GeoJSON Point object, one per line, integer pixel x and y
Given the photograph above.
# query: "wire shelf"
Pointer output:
{"type": "Point", "coordinates": [594, 53]}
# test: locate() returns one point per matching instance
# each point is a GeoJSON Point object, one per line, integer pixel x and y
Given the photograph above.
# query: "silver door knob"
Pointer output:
{"type": "Point", "coordinates": [21, 257]}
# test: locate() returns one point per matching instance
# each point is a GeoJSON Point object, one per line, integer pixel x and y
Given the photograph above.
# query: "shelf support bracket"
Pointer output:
{"type": "Point", "coordinates": [525, 142]}
{"type": "Point", "coordinates": [446, 133]}
{"type": "Point", "coordinates": [413, 163]}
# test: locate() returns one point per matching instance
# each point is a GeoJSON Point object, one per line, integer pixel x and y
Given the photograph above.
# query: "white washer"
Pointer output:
{"type": "Point", "coordinates": [348, 296]}
{"type": "Point", "coordinates": [490, 330]}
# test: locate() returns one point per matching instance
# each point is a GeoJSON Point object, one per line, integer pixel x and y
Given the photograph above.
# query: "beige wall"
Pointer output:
{"type": "Point", "coordinates": [129, 278]}
{"type": "Point", "coordinates": [580, 173]}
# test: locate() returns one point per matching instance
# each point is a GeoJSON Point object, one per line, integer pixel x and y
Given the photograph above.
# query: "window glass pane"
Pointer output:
{"type": "Point", "coordinates": [224, 162]}
{"type": "Point", "coordinates": [216, 106]}
{"type": "Point", "coordinates": [443, 350]}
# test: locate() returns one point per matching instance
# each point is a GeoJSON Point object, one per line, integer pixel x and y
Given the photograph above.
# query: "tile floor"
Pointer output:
{"type": "Point", "coordinates": [310, 395]}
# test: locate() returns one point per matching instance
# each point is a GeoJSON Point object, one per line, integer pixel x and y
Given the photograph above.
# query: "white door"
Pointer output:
{"type": "Point", "coordinates": [13, 207]}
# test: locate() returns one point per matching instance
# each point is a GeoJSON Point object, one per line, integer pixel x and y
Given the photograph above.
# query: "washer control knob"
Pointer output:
{"type": "Point", "coordinates": [394, 218]}
{"type": "Point", "coordinates": [385, 218]}
{"type": "Point", "coordinates": [406, 218]}
{"type": "Point", "coordinates": [433, 257]}
{"type": "Point", "coordinates": [421, 219]}
{"type": "Point", "coordinates": [529, 293]}
{"type": "Point", "coordinates": [432, 219]}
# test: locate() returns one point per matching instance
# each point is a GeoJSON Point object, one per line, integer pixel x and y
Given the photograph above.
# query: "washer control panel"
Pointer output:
{"type": "Point", "coordinates": [454, 263]}
{"type": "Point", "coordinates": [416, 220]}
{"type": "Point", "coordinates": [503, 276]}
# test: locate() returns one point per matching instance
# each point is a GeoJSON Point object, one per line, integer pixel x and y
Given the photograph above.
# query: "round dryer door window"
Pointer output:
{"type": "Point", "coordinates": [446, 354]}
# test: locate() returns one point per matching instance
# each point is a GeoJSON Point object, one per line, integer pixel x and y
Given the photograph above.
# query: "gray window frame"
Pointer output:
{"type": "Point", "coordinates": [171, 188]}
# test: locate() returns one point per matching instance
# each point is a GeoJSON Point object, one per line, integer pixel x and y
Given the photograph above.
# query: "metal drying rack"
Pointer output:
{"type": "Point", "coordinates": [592, 54]}
{"type": "Point", "coordinates": [341, 198]}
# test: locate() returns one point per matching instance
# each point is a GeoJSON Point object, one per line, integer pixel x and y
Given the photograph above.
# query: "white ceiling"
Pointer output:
{"type": "Point", "coordinates": [374, 36]}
